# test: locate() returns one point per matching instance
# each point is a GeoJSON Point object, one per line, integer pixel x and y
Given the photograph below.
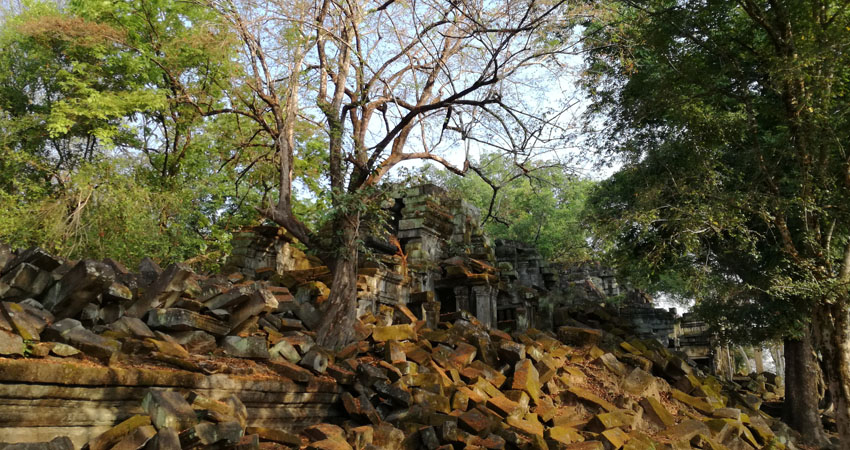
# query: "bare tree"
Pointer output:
{"type": "Point", "coordinates": [391, 82]}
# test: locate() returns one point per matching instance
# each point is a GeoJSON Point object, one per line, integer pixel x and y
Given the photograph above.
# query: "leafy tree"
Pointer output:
{"type": "Point", "coordinates": [87, 110]}
{"type": "Point", "coordinates": [730, 118]}
{"type": "Point", "coordinates": [538, 203]}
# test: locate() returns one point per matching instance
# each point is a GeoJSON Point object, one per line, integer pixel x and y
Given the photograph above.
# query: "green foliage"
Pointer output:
{"type": "Point", "coordinates": [540, 204]}
{"type": "Point", "coordinates": [732, 190]}
{"type": "Point", "coordinates": [105, 212]}
{"type": "Point", "coordinates": [97, 156]}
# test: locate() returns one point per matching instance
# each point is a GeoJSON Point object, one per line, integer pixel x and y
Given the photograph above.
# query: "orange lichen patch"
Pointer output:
{"type": "Point", "coordinates": [75, 29]}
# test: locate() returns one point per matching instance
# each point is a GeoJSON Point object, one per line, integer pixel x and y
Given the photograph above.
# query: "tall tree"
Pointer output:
{"type": "Point", "coordinates": [389, 82]}
{"type": "Point", "coordinates": [88, 108]}
{"type": "Point", "coordinates": [731, 118]}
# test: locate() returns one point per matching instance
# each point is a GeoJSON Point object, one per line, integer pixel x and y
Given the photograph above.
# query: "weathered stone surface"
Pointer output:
{"type": "Point", "coordinates": [137, 439]}
{"type": "Point", "coordinates": [24, 280]}
{"type": "Point", "coordinates": [290, 371]}
{"type": "Point", "coordinates": [92, 344]}
{"type": "Point", "coordinates": [36, 256]}
{"type": "Point", "coordinates": [285, 350]}
{"type": "Point", "coordinates": [184, 320]}
{"type": "Point", "coordinates": [10, 343]}
{"type": "Point", "coordinates": [315, 360]}
{"type": "Point", "coordinates": [232, 297]}
{"type": "Point", "coordinates": [275, 435]}
{"type": "Point", "coordinates": [308, 315]}
{"type": "Point", "coordinates": [260, 301]}
{"type": "Point", "coordinates": [588, 445]}
{"type": "Point", "coordinates": [528, 426]}
{"type": "Point", "coordinates": [27, 319]}
{"type": "Point", "coordinates": [727, 413]}
{"type": "Point", "coordinates": [133, 327]}
{"type": "Point", "coordinates": [206, 433]}
{"type": "Point", "coordinates": [162, 292]}
{"type": "Point", "coordinates": [117, 293]}
{"type": "Point", "coordinates": [394, 332]}
{"type": "Point", "coordinates": [195, 341]}
{"type": "Point", "coordinates": [615, 438]}
{"type": "Point", "coordinates": [586, 395]}
{"type": "Point", "coordinates": [503, 405]}
{"type": "Point", "coordinates": [253, 347]}
{"type": "Point", "coordinates": [638, 382]}
{"type": "Point", "coordinates": [328, 444]}
{"type": "Point", "coordinates": [165, 439]}
{"type": "Point", "coordinates": [564, 435]}
{"type": "Point", "coordinates": [656, 411]}
{"type": "Point", "coordinates": [58, 443]}
{"type": "Point", "coordinates": [527, 379]}
{"type": "Point", "coordinates": [167, 409]}
{"type": "Point", "coordinates": [324, 431]}
{"type": "Point", "coordinates": [614, 419]}
{"type": "Point", "coordinates": [474, 421]}
{"type": "Point", "coordinates": [77, 288]}
{"type": "Point", "coordinates": [124, 429]}
{"type": "Point", "coordinates": [579, 336]}
{"type": "Point", "coordinates": [694, 402]}
{"type": "Point", "coordinates": [64, 350]}
{"type": "Point", "coordinates": [686, 430]}
{"type": "Point", "coordinates": [613, 364]}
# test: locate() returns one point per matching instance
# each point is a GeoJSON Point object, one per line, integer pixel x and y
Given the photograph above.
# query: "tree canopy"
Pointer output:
{"type": "Point", "coordinates": [730, 118]}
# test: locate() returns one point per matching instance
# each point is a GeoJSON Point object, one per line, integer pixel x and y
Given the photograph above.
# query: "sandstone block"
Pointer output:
{"type": "Point", "coordinates": [284, 350]}
{"type": "Point", "coordinates": [527, 379]}
{"type": "Point", "coordinates": [176, 319]}
{"type": "Point", "coordinates": [11, 344]}
{"type": "Point", "coordinates": [394, 332]}
{"type": "Point", "coordinates": [206, 433]}
{"type": "Point", "coordinates": [579, 336]}
{"type": "Point", "coordinates": [503, 406]}
{"type": "Point", "coordinates": [474, 421]}
{"type": "Point", "coordinates": [615, 438]}
{"type": "Point", "coordinates": [167, 409]}
{"type": "Point", "coordinates": [657, 412]}
{"type": "Point", "coordinates": [686, 431]}
{"type": "Point", "coordinates": [694, 402]}
{"type": "Point", "coordinates": [165, 439]}
{"type": "Point", "coordinates": [564, 435]}
{"type": "Point", "coordinates": [260, 301]}
{"type": "Point", "coordinates": [163, 292]}
{"type": "Point", "coordinates": [77, 288]}
{"type": "Point", "coordinates": [111, 437]}
{"type": "Point", "coordinates": [275, 435]}
{"type": "Point", "coordinates": [638, 382]}
{"type": "Point", "coordinates": [133, 327]}
{"type": "Point", "coordinates": [251, 347]}
{"type": "Point", "coordinates": [314, 360]}
{"type": "Point", "coordinates": [290, 371]}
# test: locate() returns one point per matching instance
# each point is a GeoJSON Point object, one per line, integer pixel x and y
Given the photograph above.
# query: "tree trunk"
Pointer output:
{"type": "Point", "coordinates": [801, 390]}
{"type": "Point", "coordinates": [759, 359]}
{"type": "Point", "coordinates": [832, 331]}
{"type": "Point", "coordinates": [340, 309]}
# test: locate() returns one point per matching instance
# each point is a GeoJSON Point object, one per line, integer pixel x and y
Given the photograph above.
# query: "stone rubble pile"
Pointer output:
{"type": "Point", "coordinates": [402, 384]}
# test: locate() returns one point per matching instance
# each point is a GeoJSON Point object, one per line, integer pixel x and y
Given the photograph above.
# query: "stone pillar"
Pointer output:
{"type": "Point", "coordinates": [431, 313]}
{"type": "Point", "coordinates": [485, 304]}
{"type": "Point", "coordinates": [461, 298]}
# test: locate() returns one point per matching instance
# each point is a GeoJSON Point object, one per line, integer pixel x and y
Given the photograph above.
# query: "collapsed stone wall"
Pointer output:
{"type": "Point", "coordinates": [436, 259]}
{"type": "Point", "coordinates": [590, 285]}
{"type": "Point", "coordinates": [167, 359]}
